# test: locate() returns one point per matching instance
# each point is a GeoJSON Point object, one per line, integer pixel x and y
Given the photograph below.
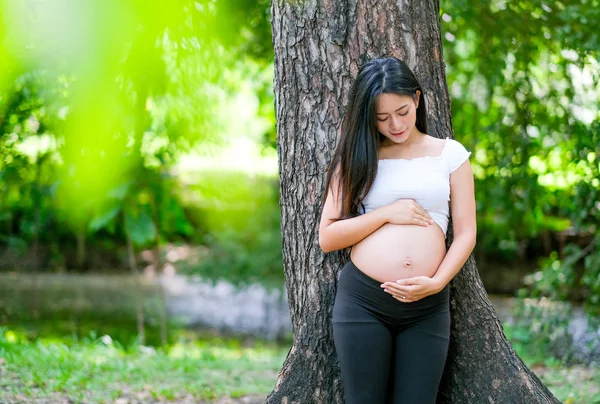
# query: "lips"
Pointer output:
{"type": "Point", "coordinates": [399, 133]}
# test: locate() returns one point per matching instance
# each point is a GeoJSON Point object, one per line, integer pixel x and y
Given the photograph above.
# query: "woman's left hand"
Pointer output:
{"type": "Point", "coordinates": [412, 289]}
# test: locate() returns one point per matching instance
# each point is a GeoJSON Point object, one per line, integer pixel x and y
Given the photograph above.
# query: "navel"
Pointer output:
{"type": "Point", "coordinates": [407, 262]}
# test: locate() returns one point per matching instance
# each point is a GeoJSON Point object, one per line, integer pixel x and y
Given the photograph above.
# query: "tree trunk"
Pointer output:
{"type": "Point", "coordinates": [139, 307]}
{"type": "Point", "coordinates": [155, 203]}
{"type": "Point", "coordinates": [81, 246]}
{"type": "Point", "coordinates": [36, 236]}
{"type": "Point", "coordinates": [319, 46]}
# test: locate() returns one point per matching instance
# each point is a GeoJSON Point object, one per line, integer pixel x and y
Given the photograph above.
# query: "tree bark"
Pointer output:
{"type": "Point", "coordinates": [37, 190]}
{"type": "Point", "coordinates": [139, 306]}
{"type": "Point", "coordinates": [155, 203]}
{"type": "Point", "coordinates": [319, 46]}
{"type": "Point", "coordinates": [81, 253]}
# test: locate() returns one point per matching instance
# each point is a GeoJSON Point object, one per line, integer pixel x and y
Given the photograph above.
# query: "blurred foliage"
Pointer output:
{"type": "Point", "coordinates": [100, 102]}
{"type": "Point", "coordinates": [243, 214]}
{"type": "Point", "coordinates": [523, 78]}
{"type": "Point", "coordinates": [549, 330]}
{"type": "Point", "coordinates": [79, 306]}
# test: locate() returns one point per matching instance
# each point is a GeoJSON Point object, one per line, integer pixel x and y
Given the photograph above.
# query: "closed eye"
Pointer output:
{"type": "Point", "coordinates": [385, 119]}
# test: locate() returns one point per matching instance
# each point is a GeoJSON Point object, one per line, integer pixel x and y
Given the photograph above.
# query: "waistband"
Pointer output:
{"type": "Point", "coordinates": [356, 284]}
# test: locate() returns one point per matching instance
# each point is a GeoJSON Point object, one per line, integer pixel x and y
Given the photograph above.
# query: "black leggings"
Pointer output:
{"type": "Point", "coordinates": [388, 351]}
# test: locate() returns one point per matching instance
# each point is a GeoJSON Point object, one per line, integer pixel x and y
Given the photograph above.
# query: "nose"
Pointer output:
{"type": "Point", "coordinates": [396, 123]}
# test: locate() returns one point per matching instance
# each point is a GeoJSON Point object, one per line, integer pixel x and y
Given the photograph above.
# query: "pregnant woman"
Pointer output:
{"type": "Point", "coordinates": [390, 190]}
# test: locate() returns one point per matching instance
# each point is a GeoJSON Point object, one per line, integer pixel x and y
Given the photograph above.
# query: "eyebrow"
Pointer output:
{"type": "Point", "coordinates": [382, 113]}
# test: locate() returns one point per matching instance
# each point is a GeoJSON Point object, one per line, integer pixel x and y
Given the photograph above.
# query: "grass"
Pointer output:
{"type": "Point", "coordinates": [572, 384]}
{"type": "Point", "coordinates": [95, 370]}
{"type": "Point", "coordinates": [100, 370]}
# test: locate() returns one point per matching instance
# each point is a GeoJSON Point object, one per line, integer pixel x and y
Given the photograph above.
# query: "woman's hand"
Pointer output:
{"type": "Point", "coordinates": [407, 211]}
{"type": "Point", "coordinates": [412, 289]}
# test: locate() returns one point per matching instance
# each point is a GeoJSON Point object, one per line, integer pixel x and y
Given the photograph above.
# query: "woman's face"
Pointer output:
{"type": "Point", "coordinates": [396, 115]}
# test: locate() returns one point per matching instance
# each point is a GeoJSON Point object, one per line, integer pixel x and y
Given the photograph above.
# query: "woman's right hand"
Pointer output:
{"type": "Point", "coordinates": [407, 211]}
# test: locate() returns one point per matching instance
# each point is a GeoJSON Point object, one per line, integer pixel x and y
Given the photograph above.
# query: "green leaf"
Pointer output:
{"type": "Point", "coordinates": [120, 192]}
{"type": "Point", "coordinates": [140, 227]}
{"type": "Point", "coordinates": [102, 220]}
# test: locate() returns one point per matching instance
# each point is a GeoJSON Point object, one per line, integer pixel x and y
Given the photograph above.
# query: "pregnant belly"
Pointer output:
{"type": "Point", "coordinates": [400, 251]}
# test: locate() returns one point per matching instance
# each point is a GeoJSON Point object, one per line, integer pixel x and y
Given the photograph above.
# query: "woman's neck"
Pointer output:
{"type": "Point", "coordinates": [414, 140]}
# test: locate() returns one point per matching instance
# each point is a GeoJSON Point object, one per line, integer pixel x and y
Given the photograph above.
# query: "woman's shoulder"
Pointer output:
{"type": "Point", "coordinates": [443, 146]}
{"type": "Point", "coordinates": [434, 146]}
{"type": "Point", "coordinates": [455, 153]}
{"type": "Point", "coordinates": [453, 145]}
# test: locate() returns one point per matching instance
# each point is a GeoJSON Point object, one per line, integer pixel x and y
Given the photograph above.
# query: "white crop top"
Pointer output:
{"type": "Point", "coordinates": [424, 179]}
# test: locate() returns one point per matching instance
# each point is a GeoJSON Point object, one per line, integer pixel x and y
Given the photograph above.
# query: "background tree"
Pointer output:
{"type": "Point", "coordinates": [319, 47]}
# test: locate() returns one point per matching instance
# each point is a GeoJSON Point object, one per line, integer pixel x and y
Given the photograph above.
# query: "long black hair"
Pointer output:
{"type": "Point", "coordinates": [354, 161]}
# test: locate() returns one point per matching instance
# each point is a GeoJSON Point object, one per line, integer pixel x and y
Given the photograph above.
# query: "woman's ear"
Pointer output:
{"type": "Point", "coordinates": [417, 98]}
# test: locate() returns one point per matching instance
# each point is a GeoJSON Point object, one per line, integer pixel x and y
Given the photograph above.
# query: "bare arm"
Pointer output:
{"type": "Point", "coordinates": [337, 234]}
{"type": "Point", "coordinates": [462, 204]}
